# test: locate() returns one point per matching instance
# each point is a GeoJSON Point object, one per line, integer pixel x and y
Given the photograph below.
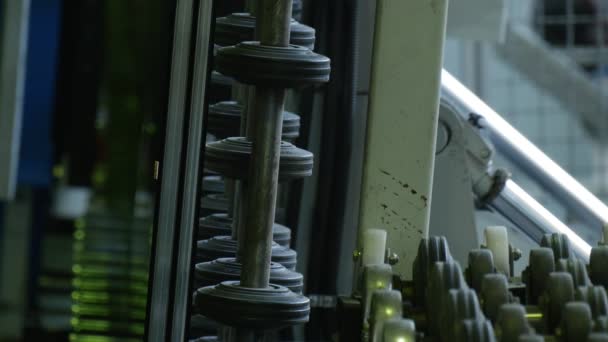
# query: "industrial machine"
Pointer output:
{"type": "Point", "coordinates": [326, 183]}
{"type": "Point", "coordinates": [246, 288]}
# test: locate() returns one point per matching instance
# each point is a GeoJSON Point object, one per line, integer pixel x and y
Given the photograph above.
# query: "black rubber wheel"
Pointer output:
{"type": "Point", "coordinates": [238, 27]}
{"type": "Point", "coordinates": [494, 293]}
{"type": "Point", "coordinates": [225, 247]}
{"type": "Point", "coordinates": [224, 269]}
{"type": "Point", "coordinates": [284, 67]}
{"type": "Point", "coordinates": [559, 243]}
{"type": "Point", "coordinates": [512, 323]}
{"type": "Point", "coordinates": [430, 251]}
{"type": "Point", "coordinates": [576, 322]}
{"type": "Point", "coordinates": [598, 265]}
{"type": "Point", "coordinates": [231, 157]}
{"type": "Point", "coordinates": [479, 330]}
{"type": "Point", "coordinates": [269, 308]}
{"type": "Point", "coordinates": [541, 265]}
{"type": "Point", "coordinates": [224, 120]}
{"type": "Point", "coordinates": [213, 184]}
{"type": "Point", "coordinates": [206, 339]}
{"type": "Point", "coordinates": [576, 268]}
{"type": "Point", "coordinates": [595, 297]}
{"type": "Point", "coordinates": [214, 203]}
{"type": "Point", "coordinates": [460, 304]}
{"type": "Point", "coordinates": [221, 224]}
{"type": "Point", "coordinates": [444, 277]}
{"type": "Point", "coordinates": [560, 290]}
{"type": "Point", "coordinates": [480, 263]}
{"type": "Point", "coordinates": [601, 324]}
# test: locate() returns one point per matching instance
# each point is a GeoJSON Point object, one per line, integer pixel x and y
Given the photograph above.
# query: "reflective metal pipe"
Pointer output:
{"type": "Point", "coordinates": [527, 156]}
{"type": "Point", "coordinates": [516, 205]}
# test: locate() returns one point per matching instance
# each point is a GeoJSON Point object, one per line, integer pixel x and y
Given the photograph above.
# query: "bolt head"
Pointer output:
{"type": "Point", "coordinates": [356, 255]}
{"type": "Point", "coordinates": [517, 254]}
{"type": "Point", "coordinates": [393, 259]}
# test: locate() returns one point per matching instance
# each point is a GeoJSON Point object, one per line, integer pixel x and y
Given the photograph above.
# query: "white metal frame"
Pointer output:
{"type": "Point", "coordinates": [402, 124]}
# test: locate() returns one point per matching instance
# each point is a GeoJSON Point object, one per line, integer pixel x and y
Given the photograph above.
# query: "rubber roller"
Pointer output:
{"type": "Point", "coordinates": [497, 241]}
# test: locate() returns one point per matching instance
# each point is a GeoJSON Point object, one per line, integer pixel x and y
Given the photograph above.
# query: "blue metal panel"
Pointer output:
{"type": "Point", "coordinates": [35, 160]}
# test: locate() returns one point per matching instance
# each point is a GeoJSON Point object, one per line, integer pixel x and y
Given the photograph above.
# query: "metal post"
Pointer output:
{"type": "Point", "coordinates": [273, 17]}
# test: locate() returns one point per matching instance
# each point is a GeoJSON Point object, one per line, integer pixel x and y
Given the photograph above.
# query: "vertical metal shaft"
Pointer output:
{"type": "Point", "coordinates": [247, 129]}
{"type": "Point", "coordinates": [239, 94]}
{"type": "Point", "coordinates": [272, 28]}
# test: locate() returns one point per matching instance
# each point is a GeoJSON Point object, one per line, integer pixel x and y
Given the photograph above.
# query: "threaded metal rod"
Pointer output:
{"type": "Point", "coordinates": [272, 28]}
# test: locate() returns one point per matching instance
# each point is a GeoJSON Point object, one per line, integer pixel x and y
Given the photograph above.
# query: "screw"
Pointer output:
{"type": "Point", "coordinates": [356, 255]}
{"type": "Point", "coordinates": [516, 254]}
{"type": "Point", "coordinates": [393, 258]}
{"type": "Point", "coordinates": [485, 153]}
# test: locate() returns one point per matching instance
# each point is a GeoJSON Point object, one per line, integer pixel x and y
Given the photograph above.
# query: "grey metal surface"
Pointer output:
{"type": "Point", "coordinates": [452, 208]}
{"type": "Point", "coordinates": [15, 19]}
{"type": "Point", "coordinates": [158, 315]}
{"type": "Point", "coordinates": [527, 156]}
{"type": "Point", "coordinates": [273, 25]}
{"type": "Point", "coordinates": [192, 174]}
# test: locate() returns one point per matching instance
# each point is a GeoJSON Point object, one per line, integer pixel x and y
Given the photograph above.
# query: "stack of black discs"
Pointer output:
{"type": "Point", "coordinates": [227, 162]}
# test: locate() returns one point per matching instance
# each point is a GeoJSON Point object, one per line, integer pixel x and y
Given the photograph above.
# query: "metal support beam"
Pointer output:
{"type": "Point", "coordinates": [529, 158]}
{"type": "Point", "coordinates": [169, 289]}
{"type": "Point", "coordinates": [402, 124]}
{"type": "Point", "coordinates": [13, 48]}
